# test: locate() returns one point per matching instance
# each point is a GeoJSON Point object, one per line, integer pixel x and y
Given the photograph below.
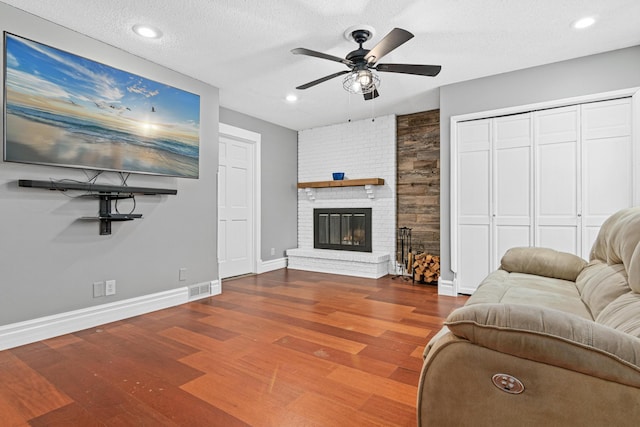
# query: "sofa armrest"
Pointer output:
{"type": "Point", "coordinates": [552, 337]}
{"type": "Point", "coordinates": [543, 262]}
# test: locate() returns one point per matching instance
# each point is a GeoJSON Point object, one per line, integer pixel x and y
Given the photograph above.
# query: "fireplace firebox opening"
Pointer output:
{"type": "Point", "coordinates": [347, 229]}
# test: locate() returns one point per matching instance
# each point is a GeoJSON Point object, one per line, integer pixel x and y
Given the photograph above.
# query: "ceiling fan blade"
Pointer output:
{"type": "Point", "coordinates": [323, 79]}
{"type": "Point", "coordinates": [420, 70]}
{"type": "Point", "coordinates": [371, 95]}
{"type": "Point", "coordinates": [308, 52]}
{"type": "Point", "coordinates": [395, 38]}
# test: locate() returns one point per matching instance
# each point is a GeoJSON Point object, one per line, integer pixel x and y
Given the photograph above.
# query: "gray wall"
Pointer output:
{"type": "Point", "coordinates": [49, 259]}
{"type": "Point", "coordinates": [279, 178]}
{"type": "Point", "coordinates": [604, 72]}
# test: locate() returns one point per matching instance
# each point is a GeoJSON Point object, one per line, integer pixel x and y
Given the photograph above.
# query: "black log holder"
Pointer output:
{"type": "Point", "coordinates": [402, 252]}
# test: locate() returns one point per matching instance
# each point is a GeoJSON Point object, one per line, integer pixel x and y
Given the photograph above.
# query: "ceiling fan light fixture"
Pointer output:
{"type": "Point", "coordinates": [360, 82]}
{"type": "Point", "coordinates": [360, 79]}
{"type": "Point", "coordinates": [364, 78]}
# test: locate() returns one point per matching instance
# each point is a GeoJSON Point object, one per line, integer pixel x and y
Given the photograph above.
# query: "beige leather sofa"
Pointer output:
{"type": "Point", "coordinates": [546, 340]}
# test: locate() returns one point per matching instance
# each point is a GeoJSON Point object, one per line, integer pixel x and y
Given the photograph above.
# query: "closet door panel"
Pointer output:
{"type": "Point", "coordinates": [473, 204]}
{"type": "Point", "coordinates": [607, 187]}
{"type": "Point", "coordinates": [513, 182]}
{"type": "Point", "coordinates": [560, 238]}
{"type": "Point", "coordinates": [512, 179]}
{"type": "Point", "coordinates": [474, 135]}
{"type": "Point", "coordinates": [474, 257]}
{"type": "Point", "coordinates": [607, 162]}
{"type": "Point", "coordinates": [507, 237]}
{"type": "Point", "coordinates": [557, 190]}
{"type": "Point", "coordinates": [474, 185]}
{"type": "Point", "coordinates": [557, 182]}
{"type": "Point", "coordinates": [606, 119]}
{"type": "Point", "coordinates": [556, 125]}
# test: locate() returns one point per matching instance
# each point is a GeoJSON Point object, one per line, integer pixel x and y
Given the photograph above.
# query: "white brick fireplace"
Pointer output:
{"type": "Point", "coordinates": [360, 149]}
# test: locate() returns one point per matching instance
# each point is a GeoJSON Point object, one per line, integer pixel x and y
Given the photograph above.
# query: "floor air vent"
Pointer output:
{"type": "Point", "coordinates": [199, 291]}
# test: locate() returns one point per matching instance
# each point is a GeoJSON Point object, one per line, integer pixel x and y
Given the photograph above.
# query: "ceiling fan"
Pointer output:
{"type": "Point", "coordinates": [361, 62]}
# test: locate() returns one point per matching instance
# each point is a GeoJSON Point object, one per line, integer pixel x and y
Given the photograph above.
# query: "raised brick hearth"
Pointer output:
{"type": "Point", "coordinates": [360, 264]}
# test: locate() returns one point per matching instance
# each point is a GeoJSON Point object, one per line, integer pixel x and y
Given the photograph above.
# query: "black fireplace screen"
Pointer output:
{"type": "Point", "coordinates": [342, 229]}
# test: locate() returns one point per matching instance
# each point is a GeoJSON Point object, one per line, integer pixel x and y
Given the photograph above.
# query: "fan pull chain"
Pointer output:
{"type": "Point", "coordinates": [373, 110]}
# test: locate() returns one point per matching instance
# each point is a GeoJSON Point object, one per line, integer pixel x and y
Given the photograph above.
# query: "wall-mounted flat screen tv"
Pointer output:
{"type": "Point", "coordinates": [65, 110]}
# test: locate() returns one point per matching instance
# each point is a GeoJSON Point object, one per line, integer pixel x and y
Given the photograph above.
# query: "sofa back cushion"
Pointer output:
{"type": "Point", "coordinates": [623, 314]}
{"type": "Point", "coordinates": [618, 242]}
{"type": "Point", "coordinates": [600, 283]}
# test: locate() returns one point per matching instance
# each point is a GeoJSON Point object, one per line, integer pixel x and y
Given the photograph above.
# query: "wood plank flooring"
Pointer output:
{"type": "Point", "coordinates": [285, 348]}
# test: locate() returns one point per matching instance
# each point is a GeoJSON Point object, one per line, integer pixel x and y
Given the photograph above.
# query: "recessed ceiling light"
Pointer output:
{"type": "Point", "coordinates": [147, 31]}
{"type": "Point", "coordinates": [584, 22]}
{"type": "Point", "coordinates": [291, 98]}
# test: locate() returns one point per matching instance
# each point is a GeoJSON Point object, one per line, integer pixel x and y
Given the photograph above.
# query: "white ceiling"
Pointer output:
{"type": "Point", "coordinates": [243, 46]}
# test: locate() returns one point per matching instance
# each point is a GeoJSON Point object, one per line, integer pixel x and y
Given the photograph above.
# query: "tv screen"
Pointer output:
{"type": "Point", "coordinates": [65, 110]}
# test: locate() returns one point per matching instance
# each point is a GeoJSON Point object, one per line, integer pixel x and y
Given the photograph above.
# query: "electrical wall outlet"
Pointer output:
{"type": "Point", "coordinates": [110, 288]}
{"type": "Point", "coordinates": [182, 274]}
{"type": "Point", "coordinates": [98, 289]}
{"type": "Point", "coordinates": [273, 251]}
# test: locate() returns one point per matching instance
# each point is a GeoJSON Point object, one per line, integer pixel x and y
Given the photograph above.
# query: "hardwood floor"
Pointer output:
{"type": "Point", "coordinates": [285, 348]}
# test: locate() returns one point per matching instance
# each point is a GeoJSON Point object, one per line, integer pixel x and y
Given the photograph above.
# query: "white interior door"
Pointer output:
{"type": "Point", "coordinates": [236, 230]}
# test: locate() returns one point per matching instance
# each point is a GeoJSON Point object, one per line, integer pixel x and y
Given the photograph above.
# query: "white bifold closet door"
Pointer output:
{"type": "Point", "coordinates": [547, 178]}
{"type": "Point", "coordinates": [494, 194]}
{"type": "Point", "coordinates": [512, 184]}
{"type": "Point", "coordinates": [474, 202]}
{"type": "Point", "coordinates": [607, 165]}
{"type": "Point", "coordinates": [557, 178]}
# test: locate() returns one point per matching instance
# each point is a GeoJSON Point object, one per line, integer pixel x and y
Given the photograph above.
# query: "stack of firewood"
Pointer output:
{"type": "Point", "coordinates": [426, 268]}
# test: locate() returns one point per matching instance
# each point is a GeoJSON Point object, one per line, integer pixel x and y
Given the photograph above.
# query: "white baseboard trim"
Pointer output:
{"type": "Point", "coordinates": [446, 287]}
{"type": "Point", "coordinates": [274, 264]}
{"type": "Point", "coordinates": [29, 331]}
{"type": "Point", "coordinates": [216, 287]}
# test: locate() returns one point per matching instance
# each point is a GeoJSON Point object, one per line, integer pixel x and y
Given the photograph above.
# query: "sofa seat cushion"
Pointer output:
{"type": "Point", "coordinates": [519, 288]}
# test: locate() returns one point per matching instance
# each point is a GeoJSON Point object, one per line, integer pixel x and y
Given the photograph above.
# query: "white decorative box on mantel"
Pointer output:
{"type": "Point", "coordinates": [372, 265]}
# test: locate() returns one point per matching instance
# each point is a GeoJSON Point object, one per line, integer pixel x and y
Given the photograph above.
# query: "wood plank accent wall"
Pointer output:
{"type": "Point", "coordinates": [418, 180]}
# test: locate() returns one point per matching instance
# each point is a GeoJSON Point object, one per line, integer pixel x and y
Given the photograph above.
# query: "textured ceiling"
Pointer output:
{"type": "Point", "coordinates": [243, 46]}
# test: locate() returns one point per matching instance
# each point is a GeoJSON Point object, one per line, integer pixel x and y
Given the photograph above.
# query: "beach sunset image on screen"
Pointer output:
{"type": "Point", "coordinates": [65, 110]}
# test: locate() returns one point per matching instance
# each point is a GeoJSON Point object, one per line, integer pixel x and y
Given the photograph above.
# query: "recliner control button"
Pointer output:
{"type": "Point", "coordinates": [508, 383]}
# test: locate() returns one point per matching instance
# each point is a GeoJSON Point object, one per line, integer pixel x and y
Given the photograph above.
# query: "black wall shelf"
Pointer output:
{"type": "Point", "coordinates": [104, 193]}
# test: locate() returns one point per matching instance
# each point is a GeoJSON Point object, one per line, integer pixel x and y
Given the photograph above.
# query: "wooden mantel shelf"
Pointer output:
{"type": "Point", "coordinates": [342, 183]}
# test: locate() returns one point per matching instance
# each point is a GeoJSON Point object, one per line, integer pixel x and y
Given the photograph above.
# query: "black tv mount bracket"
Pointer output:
{"type": "Point", "coordinates": [104, 212]}
{"type": "Point", "coordinates": [105, 194]}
